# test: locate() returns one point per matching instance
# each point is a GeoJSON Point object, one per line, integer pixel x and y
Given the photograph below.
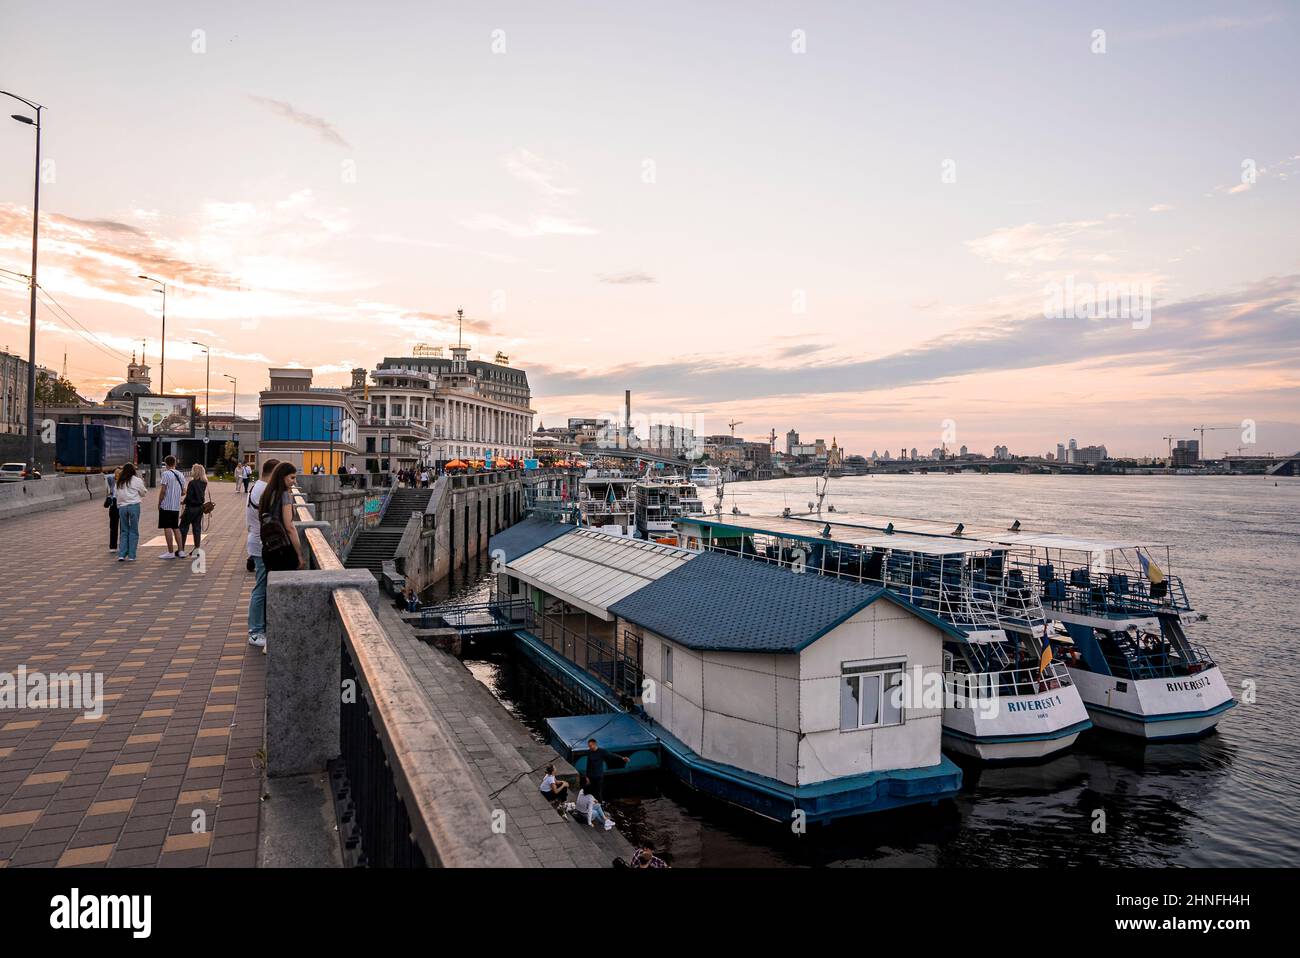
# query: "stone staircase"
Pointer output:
{"type": "Point", "coordinates": [374, 546]}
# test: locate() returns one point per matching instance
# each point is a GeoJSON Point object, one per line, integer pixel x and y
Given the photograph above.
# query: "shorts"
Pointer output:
{"type": "Point", "coordinates": [169, 518]}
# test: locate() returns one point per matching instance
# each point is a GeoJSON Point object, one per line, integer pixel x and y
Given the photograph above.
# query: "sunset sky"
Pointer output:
{"type": "Point", "coordinates": [843, 218]}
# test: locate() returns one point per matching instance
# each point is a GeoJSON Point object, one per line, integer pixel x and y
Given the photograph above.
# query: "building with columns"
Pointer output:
{"type": "Point", "coordinates": [430, 408]}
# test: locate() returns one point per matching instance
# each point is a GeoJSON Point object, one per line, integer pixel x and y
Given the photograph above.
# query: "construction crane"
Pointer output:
{"type": "Point", "coordinates": [733, 424]}
{"type": "Point", "coordinates": [1170, 440]}
{"type": "Point", "coordinates": [1203, 430]}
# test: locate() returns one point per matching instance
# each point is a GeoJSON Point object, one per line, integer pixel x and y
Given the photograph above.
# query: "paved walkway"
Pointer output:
{"type": "Point", "coordinates": [183, 716]}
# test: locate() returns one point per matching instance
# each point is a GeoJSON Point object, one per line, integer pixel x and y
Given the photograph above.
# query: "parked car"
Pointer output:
{"type": "Point", "coordinates": [17, 471]}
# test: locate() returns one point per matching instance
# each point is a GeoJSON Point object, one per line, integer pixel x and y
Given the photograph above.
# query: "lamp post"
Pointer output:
{"type": "Point", "coordinates": [162, 373]}
{"type": "Point", "coordinates": [234, 404]}
{"type": "Point", "coordinates": [207, 399]}
{"type": "Point", "coordinates": [31, 332]}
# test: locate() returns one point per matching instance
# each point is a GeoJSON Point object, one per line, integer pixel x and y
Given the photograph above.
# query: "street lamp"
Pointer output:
{"type": "Point", "coordinates": [234, 399]}
{"type": "Point", "coordinates": [207, 391]}
{"type": "Point", "coordinates": [31, 332]}
{"type": "Point", "coordinates": [162, 348]}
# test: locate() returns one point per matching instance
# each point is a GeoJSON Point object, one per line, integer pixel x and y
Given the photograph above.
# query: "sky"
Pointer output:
{"type": "Point", "coordinates": [882, 223]}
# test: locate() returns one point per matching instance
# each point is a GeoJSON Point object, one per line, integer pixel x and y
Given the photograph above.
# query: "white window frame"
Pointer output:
{"type": "Point", "coordinates": [880, 671]}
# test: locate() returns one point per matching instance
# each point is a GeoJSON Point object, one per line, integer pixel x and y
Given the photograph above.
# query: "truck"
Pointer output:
{"type": "Point", "coordinates": [92, 447]}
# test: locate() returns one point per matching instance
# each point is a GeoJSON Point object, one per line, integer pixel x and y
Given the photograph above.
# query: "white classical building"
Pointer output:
{"type": "Point", "coordinates": [430, 408]}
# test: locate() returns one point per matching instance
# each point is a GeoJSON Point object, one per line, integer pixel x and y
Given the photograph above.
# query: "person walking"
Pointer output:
{"type": "Point", "coordinates": [110, 502]}
{"type": "Point", "coordinates": [192, 507]}
{"type": "Point", "coordinates": [130, 491]}
{"type": "Point", "coordinates": [172, 488]}
{"type": "Point", "coordinates": [257, 604]}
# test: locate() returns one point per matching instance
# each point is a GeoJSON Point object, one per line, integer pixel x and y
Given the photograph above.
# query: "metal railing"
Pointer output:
{"type": "Point", "coordinates": [956, 601]}
{"type": "Point", "coordinates": [1028, 680]}
{"type": "Point", "coordinates": [408, 804]}
{"type": "Point", "coordinates": [604, 662]}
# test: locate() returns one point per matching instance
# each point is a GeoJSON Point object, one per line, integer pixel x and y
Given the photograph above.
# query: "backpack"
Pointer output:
{"type": "Point", "coordinates": [278, 553]}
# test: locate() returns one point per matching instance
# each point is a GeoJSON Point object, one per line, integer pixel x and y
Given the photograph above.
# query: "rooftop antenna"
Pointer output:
{"type": "Point", "coordinates": [460, 327]}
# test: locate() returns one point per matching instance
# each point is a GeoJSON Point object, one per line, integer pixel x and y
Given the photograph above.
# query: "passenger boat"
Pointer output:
{"type": "Point", "coordinates": [605, 501]}
{"type": "Point", "coordinates": [1123, 632]}
{"type": "Point", "coordinates": [1119, 620]}
{"type": "Point", "coordinates": [703, 476]}
{"type": "Point", "coordinates": [660, 502]}
{"type": "Point", "coordinates": [1004, 699]}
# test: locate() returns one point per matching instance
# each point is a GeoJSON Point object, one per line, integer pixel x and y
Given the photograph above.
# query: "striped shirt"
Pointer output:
{"type": "Point", "coordinates": [172, 486]}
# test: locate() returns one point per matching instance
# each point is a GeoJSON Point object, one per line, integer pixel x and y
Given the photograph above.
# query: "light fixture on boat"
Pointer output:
{"type": "Point", "coordinates": [958, 530]}
{"type": "Point", "coordinates": [1015, 526]}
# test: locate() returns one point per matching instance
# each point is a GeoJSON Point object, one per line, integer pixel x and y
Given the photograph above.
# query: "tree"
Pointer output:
{"type": "Point", "coordinates": [55, 391]}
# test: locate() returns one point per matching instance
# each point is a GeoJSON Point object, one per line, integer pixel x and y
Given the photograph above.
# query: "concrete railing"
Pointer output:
{"type": "Point", "coordinates": [412, 788]}
{"type": "Point", "coordinates": [38, 495]}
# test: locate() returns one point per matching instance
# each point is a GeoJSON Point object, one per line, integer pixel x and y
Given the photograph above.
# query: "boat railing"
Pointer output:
{"type": "Point", "coordinates": [1087, 592]}
{"type": "Point", "coordinates": [1028, 680]}
{"type": "Point", "coordinates": [959, 602]}
{"type": "Point", "coordinates": [1129, 659]}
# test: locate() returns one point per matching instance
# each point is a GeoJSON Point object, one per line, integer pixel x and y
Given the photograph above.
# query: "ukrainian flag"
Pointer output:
{"type": "Point", "coordinates": [1046, 658]}
{"type": "Point", "coordinates": [1150, 569]}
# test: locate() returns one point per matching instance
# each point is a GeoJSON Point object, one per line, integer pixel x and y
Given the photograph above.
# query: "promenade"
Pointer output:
{"type": "Point", "coordinates": [171, 773]}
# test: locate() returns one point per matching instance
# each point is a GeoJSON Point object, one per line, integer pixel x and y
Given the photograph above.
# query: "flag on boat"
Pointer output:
{"type": "Point", "coordinates": [1150, 569]}
{"type": "Point", "coordinates": [1045, 659]}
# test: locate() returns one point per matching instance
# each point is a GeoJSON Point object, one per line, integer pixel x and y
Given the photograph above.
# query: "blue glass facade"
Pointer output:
{"type": "Point", "coordinates": [301, 423]}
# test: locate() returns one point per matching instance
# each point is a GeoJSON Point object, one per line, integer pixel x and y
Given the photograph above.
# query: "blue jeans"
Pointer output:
{"type": "Point", "coordinates": [128, 530]}
{"type": "Point", "coordinates": [257, 604]}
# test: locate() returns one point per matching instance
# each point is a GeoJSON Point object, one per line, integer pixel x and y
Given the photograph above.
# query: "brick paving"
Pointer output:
{"type": "Point", "coordinates": [184, 695]}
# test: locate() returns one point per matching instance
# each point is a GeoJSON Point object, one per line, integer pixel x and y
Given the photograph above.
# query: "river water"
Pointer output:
{"type": "Point", "coordinates": [1232, 798]}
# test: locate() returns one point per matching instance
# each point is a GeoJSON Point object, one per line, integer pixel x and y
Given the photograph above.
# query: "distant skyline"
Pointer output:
{"type": "Point", "coordinates": [852, 220]}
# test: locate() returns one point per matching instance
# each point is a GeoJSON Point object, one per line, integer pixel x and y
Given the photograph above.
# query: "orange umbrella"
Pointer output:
{"type": "Point", "coordinates": [456, 464]}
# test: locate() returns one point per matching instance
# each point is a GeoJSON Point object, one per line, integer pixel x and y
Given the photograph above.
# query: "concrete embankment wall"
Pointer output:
{"type": "Point", "coordinates": [38, 495]}
{"type": "Point", "coordinates": [463, 512]}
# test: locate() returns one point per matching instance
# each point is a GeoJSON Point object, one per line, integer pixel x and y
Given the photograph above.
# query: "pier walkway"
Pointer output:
{"type": "Point", "coordinates": [507, 760]}
{"type": "Point", "coordinates": [184, 695]}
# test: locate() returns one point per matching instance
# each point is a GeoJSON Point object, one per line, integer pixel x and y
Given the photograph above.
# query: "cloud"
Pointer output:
{"type": "Point", "coordinates": [626, 279]}
{"type": "Point", "coordinates": [1207, 25]}
{"type": "Point", "coordinates": [322, 127]}
{"type": "Point", "coordinates": [1161, 208]}
{"type": "Point", "coordinates": [532, 169]}
{"type": "Point", "coordinates": [540, 225]}
{"type": "Point", "coordinates": [1257, 327]}
{"type": "Point", "coordinates": [1032, 244]}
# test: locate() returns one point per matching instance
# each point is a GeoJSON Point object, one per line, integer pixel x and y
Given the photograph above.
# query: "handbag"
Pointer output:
{"type": "Point", "coordinates": [209, 506]}
{"type": "Point", "coordinates": [108, 502]}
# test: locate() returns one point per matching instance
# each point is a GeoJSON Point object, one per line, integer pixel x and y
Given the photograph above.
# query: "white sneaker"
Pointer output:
{"type": "Point", "coordinates": [168, 555]}
{"type": "Point", "coordinates": [258, 639]}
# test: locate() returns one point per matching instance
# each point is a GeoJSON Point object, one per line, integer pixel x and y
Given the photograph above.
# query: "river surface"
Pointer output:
{"type": "Point", "coordinates": [1232, 798]}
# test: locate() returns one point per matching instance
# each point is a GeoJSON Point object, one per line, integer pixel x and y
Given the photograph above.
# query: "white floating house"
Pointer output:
{"type": "Point", "coordinates": [767, 688]}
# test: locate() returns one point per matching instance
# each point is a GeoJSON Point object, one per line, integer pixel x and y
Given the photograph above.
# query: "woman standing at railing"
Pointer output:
{"type": "Point", "coordinates": [281, 547]}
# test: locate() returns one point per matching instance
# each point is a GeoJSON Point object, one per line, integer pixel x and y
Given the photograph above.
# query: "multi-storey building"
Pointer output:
{"type": "Point", "coordinates": [431, 409]}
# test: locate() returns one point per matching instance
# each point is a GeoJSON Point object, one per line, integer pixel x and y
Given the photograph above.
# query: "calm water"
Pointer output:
{"type": "Point", "coordinates": [1230, 799]}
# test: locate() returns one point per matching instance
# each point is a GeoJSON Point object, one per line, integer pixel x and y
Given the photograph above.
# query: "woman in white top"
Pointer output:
{"type": "Point", "coordinates": [130, 491]}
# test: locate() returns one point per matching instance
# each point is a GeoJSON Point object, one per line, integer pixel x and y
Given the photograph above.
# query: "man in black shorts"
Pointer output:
{"type": "Point", "coordinates": [169, 507]}
{"type": "Point", "coordinates": [597, 758]}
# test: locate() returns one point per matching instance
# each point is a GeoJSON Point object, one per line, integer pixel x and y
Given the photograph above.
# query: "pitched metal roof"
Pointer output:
{"type": "Point", "coordinates": [592, 570]}
{"type": "Point", "coordinates": [523, 537]}
{"type": "Point", "coordinates": [728, 604]}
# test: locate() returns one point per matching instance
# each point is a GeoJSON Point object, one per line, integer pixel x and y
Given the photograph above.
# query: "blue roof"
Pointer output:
{"type": "Point", "coordinates": [523, 537]}
{"type": "Point", "coordinates": [725, 603]}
